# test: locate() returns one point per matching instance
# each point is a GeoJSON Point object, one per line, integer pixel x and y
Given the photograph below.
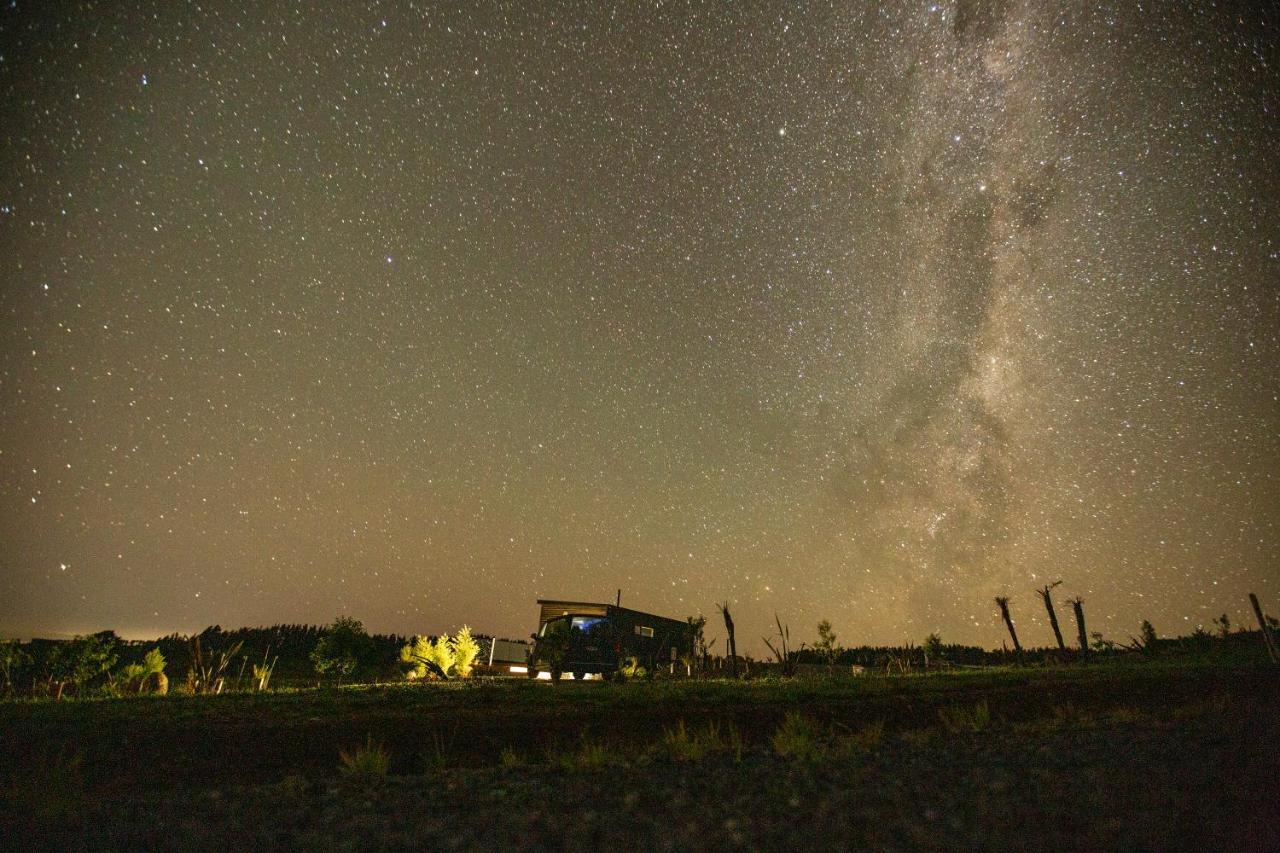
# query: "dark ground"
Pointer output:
{"type": "Point", "coordinates": [1158, 756]}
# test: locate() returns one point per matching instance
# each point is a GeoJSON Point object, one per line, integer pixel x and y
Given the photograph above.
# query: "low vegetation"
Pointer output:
{"type": "Point", "coordinates": [958, 744]}
{"type": "Point", "coordinates": [890, 734]}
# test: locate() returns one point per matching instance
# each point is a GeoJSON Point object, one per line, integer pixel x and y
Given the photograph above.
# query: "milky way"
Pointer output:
{"type": "Point", "coordinates": [866, 313]}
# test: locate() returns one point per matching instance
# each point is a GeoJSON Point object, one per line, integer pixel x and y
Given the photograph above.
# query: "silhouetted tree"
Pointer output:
{"type": "Point", "coordinates": [1046, 593]}
{"type": "Point", "coordinates": [1002, 601]}
{"type": "Point", "coordinates": [1147, 641]}
{"type": "Point", "coordinates": [12, 659]}
{"type": "Point", "coordinates": [733, 645]}
{"type": "Point", "coordinates": [693, 643]}
{"type": "Point", "coordinates": [343, 648]}
{"type": "Point", "coordinates": [932, 649]}
{"type": "Point", "coordinates": [826, 645]}
{"type": "Point", "coordinates": [82, 660]}
{"type": "Point", "coordinates": [1077, 604]}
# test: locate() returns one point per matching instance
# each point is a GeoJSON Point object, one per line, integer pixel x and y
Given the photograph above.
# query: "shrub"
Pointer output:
{"type": "Point", "coordinates": [679, 745]}
{"type": "Point", "coordinates": [208, 672]}
{"type": "Point", "coordinates": [1068, 715]}
{"type": "Point", "coordinates": [593, 755]}
{"type": "Point", "coordinates": [589, 756]}
{"type": "Point", "coordinates": [797, 738]}
{"type": "Point", "coordinates": [510, 758]}
{"type": "Point", "coordinates": [366, 762]}
{"type": "Point", "coordinates": [631, 668]}
{"type": "Point", "coordinates": [428, 658]}
{"type": "Point", "coordinates": [956, 720]}
{"type": "Point", "coordinates": [262, 675]}
{"type": "Point", "coordinates": [147, 676]}
{"type": "Point", "coordinates": [465, 651]}
{"type": "Point", "coordinates": [442, 657]}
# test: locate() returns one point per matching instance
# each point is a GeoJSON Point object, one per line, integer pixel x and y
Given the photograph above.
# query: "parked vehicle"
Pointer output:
{"type": "Point", "coordinates": [582, 638]}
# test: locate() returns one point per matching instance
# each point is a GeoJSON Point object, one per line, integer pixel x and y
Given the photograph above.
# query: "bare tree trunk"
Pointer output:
{"type": "Point", "coordinates": [1077, 604]}
{"type": "Point", "coordinates": [1047, 594]}
{"type": "Point", "coordinates": [733, 645]}
{"type": "Point", "coordinates": [1267, 636]}
{"type": "Point", "coordinates": [1003, 603]}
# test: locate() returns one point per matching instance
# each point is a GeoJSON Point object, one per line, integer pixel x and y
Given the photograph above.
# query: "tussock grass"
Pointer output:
{"type": "Point", "coordinates": [590, 755]}
{"type": "Point", "coordinates": [679, 744]}
{"type": "Point", "coordinates": [797, 738]}
{"type": "Point", "coordinates": [366, 762]}
{"type": "Point", "coordinates": [862, 741]}
{"type": "Point", "coordinates": [958, 719]}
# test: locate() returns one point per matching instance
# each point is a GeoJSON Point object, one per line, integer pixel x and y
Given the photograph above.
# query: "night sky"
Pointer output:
{"type": "Point", "coordinates": [420, 312]}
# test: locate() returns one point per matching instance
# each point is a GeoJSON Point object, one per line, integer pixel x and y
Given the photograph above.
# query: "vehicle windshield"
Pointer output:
{"type": "Point", "coordinates": [568, 624]}
{"type": "Point", "coordinates": [559, 625]}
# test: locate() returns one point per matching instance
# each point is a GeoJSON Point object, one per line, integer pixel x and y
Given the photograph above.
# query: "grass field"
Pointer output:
{"type": "Point", "coordinates": [1152, 755]}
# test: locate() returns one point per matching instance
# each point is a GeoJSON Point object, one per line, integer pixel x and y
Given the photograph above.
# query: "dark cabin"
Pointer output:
{"type": "Point", "coordinates": [599, 637]}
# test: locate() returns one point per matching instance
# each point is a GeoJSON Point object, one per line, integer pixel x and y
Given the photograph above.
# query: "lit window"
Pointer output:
{"type": "Point", "coordinates": [644, 631]}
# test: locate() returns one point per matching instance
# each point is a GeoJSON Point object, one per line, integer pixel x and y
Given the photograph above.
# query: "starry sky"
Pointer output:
{"type": "Point", "coordinates": [858, 311]}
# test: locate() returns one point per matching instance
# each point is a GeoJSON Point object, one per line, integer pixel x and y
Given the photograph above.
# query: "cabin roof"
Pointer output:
{"type": "Point", "coordinates": [552, 607]}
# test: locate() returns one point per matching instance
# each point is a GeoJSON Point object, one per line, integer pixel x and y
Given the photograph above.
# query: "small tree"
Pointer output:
{"type": "Point", "coordinates": [342, 650]}
{"type": "Point", "coordinates": [932, 649]}
{"type": "Point", "coordinates": [465, 651]}
{"type": "Point", "coordinates": [1148, 637]}
{"type": "Point", "coordinates": [826, 646]}
{"type": "Point", "coordinates": [82, 660]}
{"type": "Point", "coordinates": [1224, 625]}
{"type": "Point", "coordinates": [693, 644]}
{"type": "Point", "coordinates": [12, 659]}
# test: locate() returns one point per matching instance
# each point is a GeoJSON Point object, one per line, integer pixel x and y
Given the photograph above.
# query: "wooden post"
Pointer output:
{"type": "Point", "coordinates": [1267, 636]}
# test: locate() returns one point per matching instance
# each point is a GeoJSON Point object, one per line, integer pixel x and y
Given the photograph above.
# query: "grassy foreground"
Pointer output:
{"type": "Point", "coordinates": [1159, 756]}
